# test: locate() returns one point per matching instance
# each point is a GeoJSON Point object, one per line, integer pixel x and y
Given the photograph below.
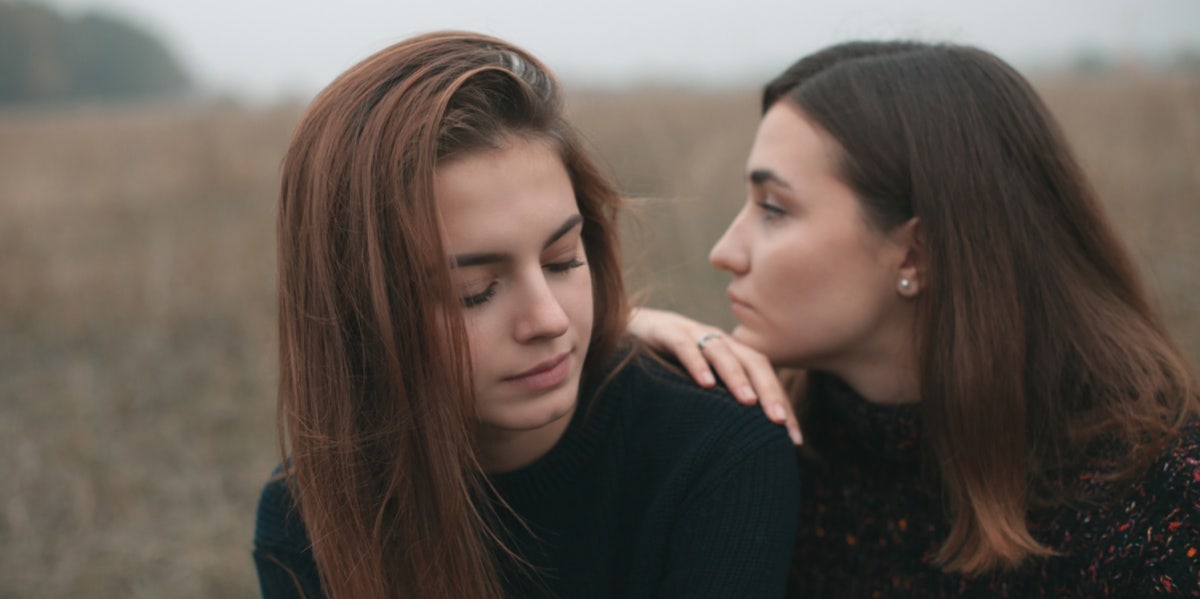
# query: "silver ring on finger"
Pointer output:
{"type": "Point", "coordinates": [705, 338]}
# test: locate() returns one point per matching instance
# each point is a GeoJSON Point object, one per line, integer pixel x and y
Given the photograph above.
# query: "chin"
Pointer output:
{"type": "Point", "coordinates": [775, 350]}
{"type": "Point", "coordinates": [753, 339]}
{"type": "Point", "coordinates": [533, 414]}
{"type": "Point", "coordinates": [544, 417]}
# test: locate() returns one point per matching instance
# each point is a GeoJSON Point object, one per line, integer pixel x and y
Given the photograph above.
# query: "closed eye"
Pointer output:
{"type": "Point", "coordinates": [470, 301]}
{"type": "Point", "coordinates": [560, 267]}
{"type": "Point", "coordinates": [483, 297]}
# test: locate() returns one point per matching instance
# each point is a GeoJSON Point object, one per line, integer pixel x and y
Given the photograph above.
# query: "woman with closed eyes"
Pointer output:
{"type": "Point", "coordinates": [459, 414]}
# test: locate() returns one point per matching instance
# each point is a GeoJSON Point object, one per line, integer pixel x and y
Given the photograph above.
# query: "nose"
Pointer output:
{"type": "Point", "coordinates": [541, 315]}
{"type": "Point", "coordinates": [729, 253]}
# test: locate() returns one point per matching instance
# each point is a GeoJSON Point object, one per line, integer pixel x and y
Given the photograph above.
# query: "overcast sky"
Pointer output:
{"type": "Point", "coordinates": [262, 49]}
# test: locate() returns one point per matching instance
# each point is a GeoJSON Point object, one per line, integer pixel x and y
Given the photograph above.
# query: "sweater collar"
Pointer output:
{"type": "Point", "coordinates": [579, 444]}
{"type": "Point", "coordinates": [889, 432]}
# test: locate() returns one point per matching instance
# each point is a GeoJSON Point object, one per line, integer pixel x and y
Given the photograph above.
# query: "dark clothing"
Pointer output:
{"type": "Point", "coordinates": [657, 489]}
{"type": "Point", "coordinates": [869, 524]}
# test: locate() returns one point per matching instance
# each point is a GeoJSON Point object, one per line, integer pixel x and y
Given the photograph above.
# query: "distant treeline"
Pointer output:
{"type": "Point", "coordinates": [46, 57]}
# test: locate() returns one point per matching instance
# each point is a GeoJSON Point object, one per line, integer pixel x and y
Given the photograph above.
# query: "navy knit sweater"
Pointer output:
{"type": "Point", "coordinates": [869, 523]}
{"type": "Point", "coordinates": [657, 489]}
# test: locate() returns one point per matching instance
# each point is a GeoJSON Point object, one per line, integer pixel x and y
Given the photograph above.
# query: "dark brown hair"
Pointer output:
{"type": "Point", "coordinates": [1038, 351]}
{"type": "Point", "coordinates": [375, 401]}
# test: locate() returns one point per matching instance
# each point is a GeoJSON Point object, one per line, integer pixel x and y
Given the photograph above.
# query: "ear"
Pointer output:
{"type": "Point", "coordinates": [911, 271]}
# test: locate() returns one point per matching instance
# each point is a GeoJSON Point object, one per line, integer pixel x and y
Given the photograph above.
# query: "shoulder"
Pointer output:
{"type": "Point", "coordinates": [1175, 475]}
{"type": "Point", "coordinates": [1167, 491]}
{"type": "Point", "coordinates": [657, 385]}
{"type": "Point", "coordinates": [680, 413]}
{"type": "Point", "coordinates": [1166, 506]}
{"type": "Point", "coordinates": [282, 552]}
{"type": "Point", "coordinates": [277, 522]}
{"type": "Point", "coordinates": [1162, 507]}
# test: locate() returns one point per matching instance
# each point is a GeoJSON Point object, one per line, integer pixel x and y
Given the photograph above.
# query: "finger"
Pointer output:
{"type": "Point", "coordinates": [774, 399]}
{"type": "Point", "coordinates": [793, 429]}
{"type": "Point", "coordinates": [731, 370]}
{"type": "Point", "coordinates": [782, 413]}
{"type": "Point", "coordinates": [762, 376]}
{"type": "Point", "coordinates": [694, 362]}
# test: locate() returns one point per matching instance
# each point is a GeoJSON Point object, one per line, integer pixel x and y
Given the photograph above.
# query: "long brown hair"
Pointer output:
{"type": "Point", "coordinates": [375, 401]}
{"type": "Point", "coordinates": [1038, 351]}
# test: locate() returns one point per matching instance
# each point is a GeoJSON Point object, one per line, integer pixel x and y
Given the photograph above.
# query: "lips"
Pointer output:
{"type": "Point", "coordinates": [545, 375]}
{"type": "Point", "coordinates": [737, 301]}
{"type": "Point", "coordinates": [541, 367]}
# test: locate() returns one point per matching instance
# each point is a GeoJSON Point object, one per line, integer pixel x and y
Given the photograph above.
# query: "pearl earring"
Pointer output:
{"type": "Point", "coordinates": [905, 285]}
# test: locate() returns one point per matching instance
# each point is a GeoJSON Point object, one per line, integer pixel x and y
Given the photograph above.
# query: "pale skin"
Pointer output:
{"type": "Point", "coordinates": [513, 231]}
{"type": "Point", "coordinates": [814, 284]}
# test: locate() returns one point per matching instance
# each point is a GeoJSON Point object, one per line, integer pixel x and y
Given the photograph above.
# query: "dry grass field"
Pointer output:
{"type": "Point", "coordinates": [137, 351]}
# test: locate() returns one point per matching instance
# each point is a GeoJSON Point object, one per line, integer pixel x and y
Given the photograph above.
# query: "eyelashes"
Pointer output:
{"type": "Point", "coordinates": [471, 301]}
{"type": "Point", "coordinates": [559, 267]}
{"type": "Point", "coordinates": [771, 211]}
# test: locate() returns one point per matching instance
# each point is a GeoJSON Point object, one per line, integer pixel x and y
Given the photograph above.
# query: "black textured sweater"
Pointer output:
{"type": "Point", "coordinates": [657, 489]}
{"type": "Point", "coordinates": [869, 525]}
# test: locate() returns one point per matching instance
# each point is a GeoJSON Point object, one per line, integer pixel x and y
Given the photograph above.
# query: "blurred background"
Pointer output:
{"type": "Point", "coordinates": [140, 142]}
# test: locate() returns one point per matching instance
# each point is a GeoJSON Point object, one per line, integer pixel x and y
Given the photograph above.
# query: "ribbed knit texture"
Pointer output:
{"type": "Point", "coordinates": [869, 524]}
{"type": "Point", "coordinates": [657, 489]}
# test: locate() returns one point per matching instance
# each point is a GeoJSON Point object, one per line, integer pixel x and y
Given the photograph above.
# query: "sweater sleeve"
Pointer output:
{"type": "Point", "coordinates": [735, 534]}
{"type": "Point", "coordinates": [282, 552]}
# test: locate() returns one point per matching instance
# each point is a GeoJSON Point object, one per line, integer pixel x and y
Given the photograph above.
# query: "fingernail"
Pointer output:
{"type": "Point", "coordinates": [778, 413]}
{"type": "Point", "coordinates": [796, 438]}
{"type": "Point", "coordinates": [706, 379]}
{"type": "Point", "coordinates": [747, 393]}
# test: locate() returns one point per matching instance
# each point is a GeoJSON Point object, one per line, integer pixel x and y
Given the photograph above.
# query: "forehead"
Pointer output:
{"type": "Point", "coordinates": [495, 199]}
{"type": "Point", "coordinates": [789, 145]}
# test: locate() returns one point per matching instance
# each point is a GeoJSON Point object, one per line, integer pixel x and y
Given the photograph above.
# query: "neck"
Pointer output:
{"type": "Point", "coordinates": [884, 370]}
{"type": "Point", "coordinates": [883, 375]}
{"type": "Point", "coordinates": [884, 384]}
{"type": "Point", "coordinates": [505, 450]}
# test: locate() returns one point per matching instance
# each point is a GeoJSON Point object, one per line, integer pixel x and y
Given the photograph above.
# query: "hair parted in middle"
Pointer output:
{"type": "Point", "coordinates": [376, 408]}
{"type": "Point", "coordinates": [1037, 347]}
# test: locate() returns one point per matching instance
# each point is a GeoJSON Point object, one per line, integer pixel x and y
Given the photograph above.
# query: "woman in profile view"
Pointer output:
{"type": "Point", "coordinates": [459, 415]}
{"type": "Point", "coordinates": [990, 407]}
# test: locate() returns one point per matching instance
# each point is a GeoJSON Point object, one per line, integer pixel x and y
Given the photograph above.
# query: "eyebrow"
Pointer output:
{"type": "Point", "coordinates": [477, 259]}
{"type": "Point", "coordinates": [762, 176]}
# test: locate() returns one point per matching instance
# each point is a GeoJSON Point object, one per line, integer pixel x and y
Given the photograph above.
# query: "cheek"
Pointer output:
{"type": "Point", "coordinates": [833, 291]}
{"type": "Point", "coordinates": [579, 302]}
{"type": "Point", "coordinates": [794, 263]}
{"type": "Point", "coordinates": [815, 275]}
{"type": "Point", "coordinates": [482, 339]}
